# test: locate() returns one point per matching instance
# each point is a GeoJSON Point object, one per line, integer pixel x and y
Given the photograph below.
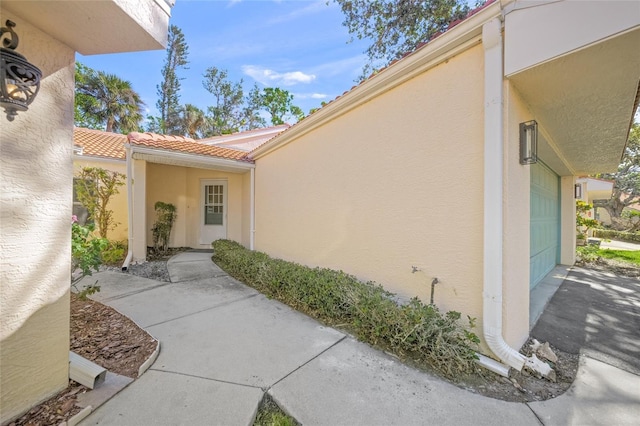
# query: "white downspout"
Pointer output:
{"type": "Point", "coordinates": [493, 221]}
{"type": "Point", "coordinates": [127, 260]}
{"type": "Point", "coordinates": [252, 208]}
{"type": "Point", "coordinates": [493, 200]}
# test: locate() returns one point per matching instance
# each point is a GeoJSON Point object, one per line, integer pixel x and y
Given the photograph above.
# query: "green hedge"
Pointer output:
{"type": "Point", "coordinates": [610, 234]}
{"type": "Point", "coordinates": [416, 330]}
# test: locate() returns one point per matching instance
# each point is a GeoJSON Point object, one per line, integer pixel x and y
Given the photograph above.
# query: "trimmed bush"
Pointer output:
{"type": "Point", "coordinates": [415, 330]}
{"type": "Point", "coordinates": [630, 237]}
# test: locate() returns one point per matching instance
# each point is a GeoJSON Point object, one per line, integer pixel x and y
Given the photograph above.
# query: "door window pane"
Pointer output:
{"type": "Point", "coordinates": [214, 205]}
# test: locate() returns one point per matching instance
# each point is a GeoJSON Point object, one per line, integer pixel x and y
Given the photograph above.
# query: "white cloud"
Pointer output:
{"type": "Point", "coordinates": [269, 77]}
{"type": "Point", "coordinates": [310, 96]}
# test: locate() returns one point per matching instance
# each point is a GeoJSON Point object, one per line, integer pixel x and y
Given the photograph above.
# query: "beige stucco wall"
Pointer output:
{"type": "Point", "coordinates": [516, 215]}
{"type": "Point", "coordinates": [394, 183]}
{"type": "Point", "coordinates": [117, 203]}
{"type": "Point", "coordinates": [35, 228]}
{"type": "Point", "coordinates": [181, 187]}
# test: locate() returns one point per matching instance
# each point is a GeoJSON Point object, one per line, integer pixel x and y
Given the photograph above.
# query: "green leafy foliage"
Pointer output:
{"type": "Point", "coordinates": [279, 104]}
{"type": "Point", "coordinates": [626, 184]}
{"type": "Point", "coordinates": [168, 90]}
{"type": "Point", "coordinates": [587, 254]}
{"type": "Point", "coordinates": [165, 218]}
{"type": "Point", "coordinates": [114, 253]}
{"type": "Point", "coordinates": [95, 187]}
{"type": "Point", "coordinates": [630, 237]}
{"type": "Point", "coordinates": [85, 256]}
{"type": "Point", "coordinates": [415, 329]}
{"type": "Point", "coordinates": [270, 414]}
{"type": "Point", "coordinates": [106, 102]}
{"type": "Point", "coordinates": [225, 116]}
{"type": "Point", "coordinates": [584, 224]}
{"type": "Point", "coordinates": [397, 27]}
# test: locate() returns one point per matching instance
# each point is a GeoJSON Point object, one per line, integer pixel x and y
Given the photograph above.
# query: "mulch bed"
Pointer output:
{"type": "Point", "coordinates": [104, 336]}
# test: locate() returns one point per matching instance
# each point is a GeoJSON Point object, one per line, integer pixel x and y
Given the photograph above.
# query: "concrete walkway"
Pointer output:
{"type": "Point", "coordinates": [223, 345]}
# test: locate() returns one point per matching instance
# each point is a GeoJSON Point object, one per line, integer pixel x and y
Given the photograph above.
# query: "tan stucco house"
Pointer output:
{"type": "Point", "coordinates": [208, 180]}
{"type": "Point", "coordinates": [597, 191]}
{"type": "Point", "coordinates": [417, 172]}
{"type": "Point", "coordinates": [419, 166]}
{"type": "Point", "coordinates": [36, 172]}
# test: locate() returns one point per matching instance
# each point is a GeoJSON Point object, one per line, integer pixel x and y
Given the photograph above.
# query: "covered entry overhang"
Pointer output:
{"type": "Point", "coordinates": [577, 65]}
{"type": "Point", "coordinates": [174, 171]}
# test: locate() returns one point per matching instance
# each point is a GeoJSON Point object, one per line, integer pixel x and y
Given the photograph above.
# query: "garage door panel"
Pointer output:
{"type": "Point", "coordinates": [545, 219]}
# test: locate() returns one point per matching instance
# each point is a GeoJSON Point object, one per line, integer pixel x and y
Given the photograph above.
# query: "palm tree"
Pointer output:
{"type": "Point", "coordinates": [116, 104]}
{"type": "Point", "coordinates": [192, 121]}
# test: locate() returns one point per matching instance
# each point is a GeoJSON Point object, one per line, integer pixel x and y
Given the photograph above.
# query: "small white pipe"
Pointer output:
{"type": "Point", "coordinates": [493, 196]}
{"type": "Point", "coordinates": [252, 212]}
{"type": "Point", "coordinates": [493, 365]}
{"type": "Point", "coordinates": [129, 257]}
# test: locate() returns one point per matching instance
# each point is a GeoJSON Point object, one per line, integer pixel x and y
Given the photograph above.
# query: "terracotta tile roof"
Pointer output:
{"type": "Point", "coordinates": [96, 143]}
{"type": "Point", "coordinates": [185, 145]}
{"type": "Point", "coordinates": [247, 140]}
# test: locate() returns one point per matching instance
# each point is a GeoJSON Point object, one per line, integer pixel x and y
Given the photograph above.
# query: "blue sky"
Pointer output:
{"type": "Point", "coordinates": [300, 46]}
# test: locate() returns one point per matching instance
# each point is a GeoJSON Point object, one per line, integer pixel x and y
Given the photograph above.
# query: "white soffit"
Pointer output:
{"type": "Point", "coordinates": [97, 27]}
{"type": "Point", "coordinates": [584, 101]}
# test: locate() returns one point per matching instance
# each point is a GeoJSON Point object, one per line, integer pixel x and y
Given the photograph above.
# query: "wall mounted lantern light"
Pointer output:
{"type": "Point", "coordinates": [578, 191]}
{"type": "Point", "coordinates": [529, 142]}
{"type": "Point", "coordinates": [19, 80]}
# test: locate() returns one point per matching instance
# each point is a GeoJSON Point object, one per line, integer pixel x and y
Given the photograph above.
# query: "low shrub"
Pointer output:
{"type": "Point", "coordinates": [115, 253]}
{"type": "Point", "coordinates": [610, 234]}
{"type": "Point", "coordinates": [587, 254]}
{"type": "Point", "coordinates": [416, 330]}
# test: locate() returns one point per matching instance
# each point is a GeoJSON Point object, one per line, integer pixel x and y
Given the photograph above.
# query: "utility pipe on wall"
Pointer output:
{"type": "Point", "coordinates": [493, 220]}
{"type": "Point", "coordinates": [493, 204]}
{"type": "Point", "coordinates": [127, 260]}
{"type": "Point", "coordinates": [252, 208]}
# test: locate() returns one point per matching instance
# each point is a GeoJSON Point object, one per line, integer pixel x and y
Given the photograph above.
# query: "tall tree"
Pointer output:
{"type": "Point", "coordinates": [278, 103]}
{"type": "Point", "coordinates": [192, 121]}
{"type": "Point", "coordinates": [626, 182]}
{"type": "Point", "coordinates": [115, 104]}
{"type": "Point", "coordinates": [396, 27]}
{"type": "Point", "coordinates": [226, 115]}
{"type": "Point", "coordinates": [168, 91]}
{"type": "Point", "coordinates": [251, 118]}
{"type": "Point", "coordinates": [85, 103]}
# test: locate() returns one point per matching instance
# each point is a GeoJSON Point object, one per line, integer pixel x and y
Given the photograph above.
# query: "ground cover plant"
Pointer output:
{"type": "Point", "coordinates": [415, 330]}
{"type": "Point", "coordinates": [621, 255]}
{"type": "Point", "coordinates": [270, 414]}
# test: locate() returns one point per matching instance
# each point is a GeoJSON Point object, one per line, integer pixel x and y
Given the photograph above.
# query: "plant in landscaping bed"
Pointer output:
{"type": "Point", "coordinates": [165, 218]}
{"type": "Point", "coordinates": [584, 224]}
{"type": "Point", "coordinates": [587, 254]}
{"type": "Point", "coordinates": [114, 253]}
{"type": "Point", "coordinates": [85, 255]}
{"type": "Point", "coordinates": [94, 188]}
{"type": "Point", "coordinates": [630, 237]}
{"type": "Point", "coordinates": [415, 329]}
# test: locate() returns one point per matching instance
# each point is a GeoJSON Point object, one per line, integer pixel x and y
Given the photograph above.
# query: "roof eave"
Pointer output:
{"type": "Point", "coordinates": [196, 159]}
{"type": "Point", "coordinates": [97, 158]}
{"type": "Point", "coordinates": [457, 39]}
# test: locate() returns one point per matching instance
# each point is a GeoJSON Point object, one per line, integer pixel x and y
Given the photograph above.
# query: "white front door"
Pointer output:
{"type": "Point", "coordinates": [213, 208]}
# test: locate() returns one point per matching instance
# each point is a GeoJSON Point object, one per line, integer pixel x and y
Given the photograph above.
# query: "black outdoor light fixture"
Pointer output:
{"type": "Point", "coordinates": [529, 142]}
{"type": "Point", "coordinates": [19, 80]}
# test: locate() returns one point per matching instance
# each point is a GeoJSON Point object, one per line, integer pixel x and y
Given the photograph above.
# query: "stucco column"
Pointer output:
{"type": "Point", "coordinates": [567, 220]}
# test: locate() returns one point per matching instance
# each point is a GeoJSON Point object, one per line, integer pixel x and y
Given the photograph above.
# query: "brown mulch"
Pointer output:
{"type": "Point", "coordinates": [104, 336]}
